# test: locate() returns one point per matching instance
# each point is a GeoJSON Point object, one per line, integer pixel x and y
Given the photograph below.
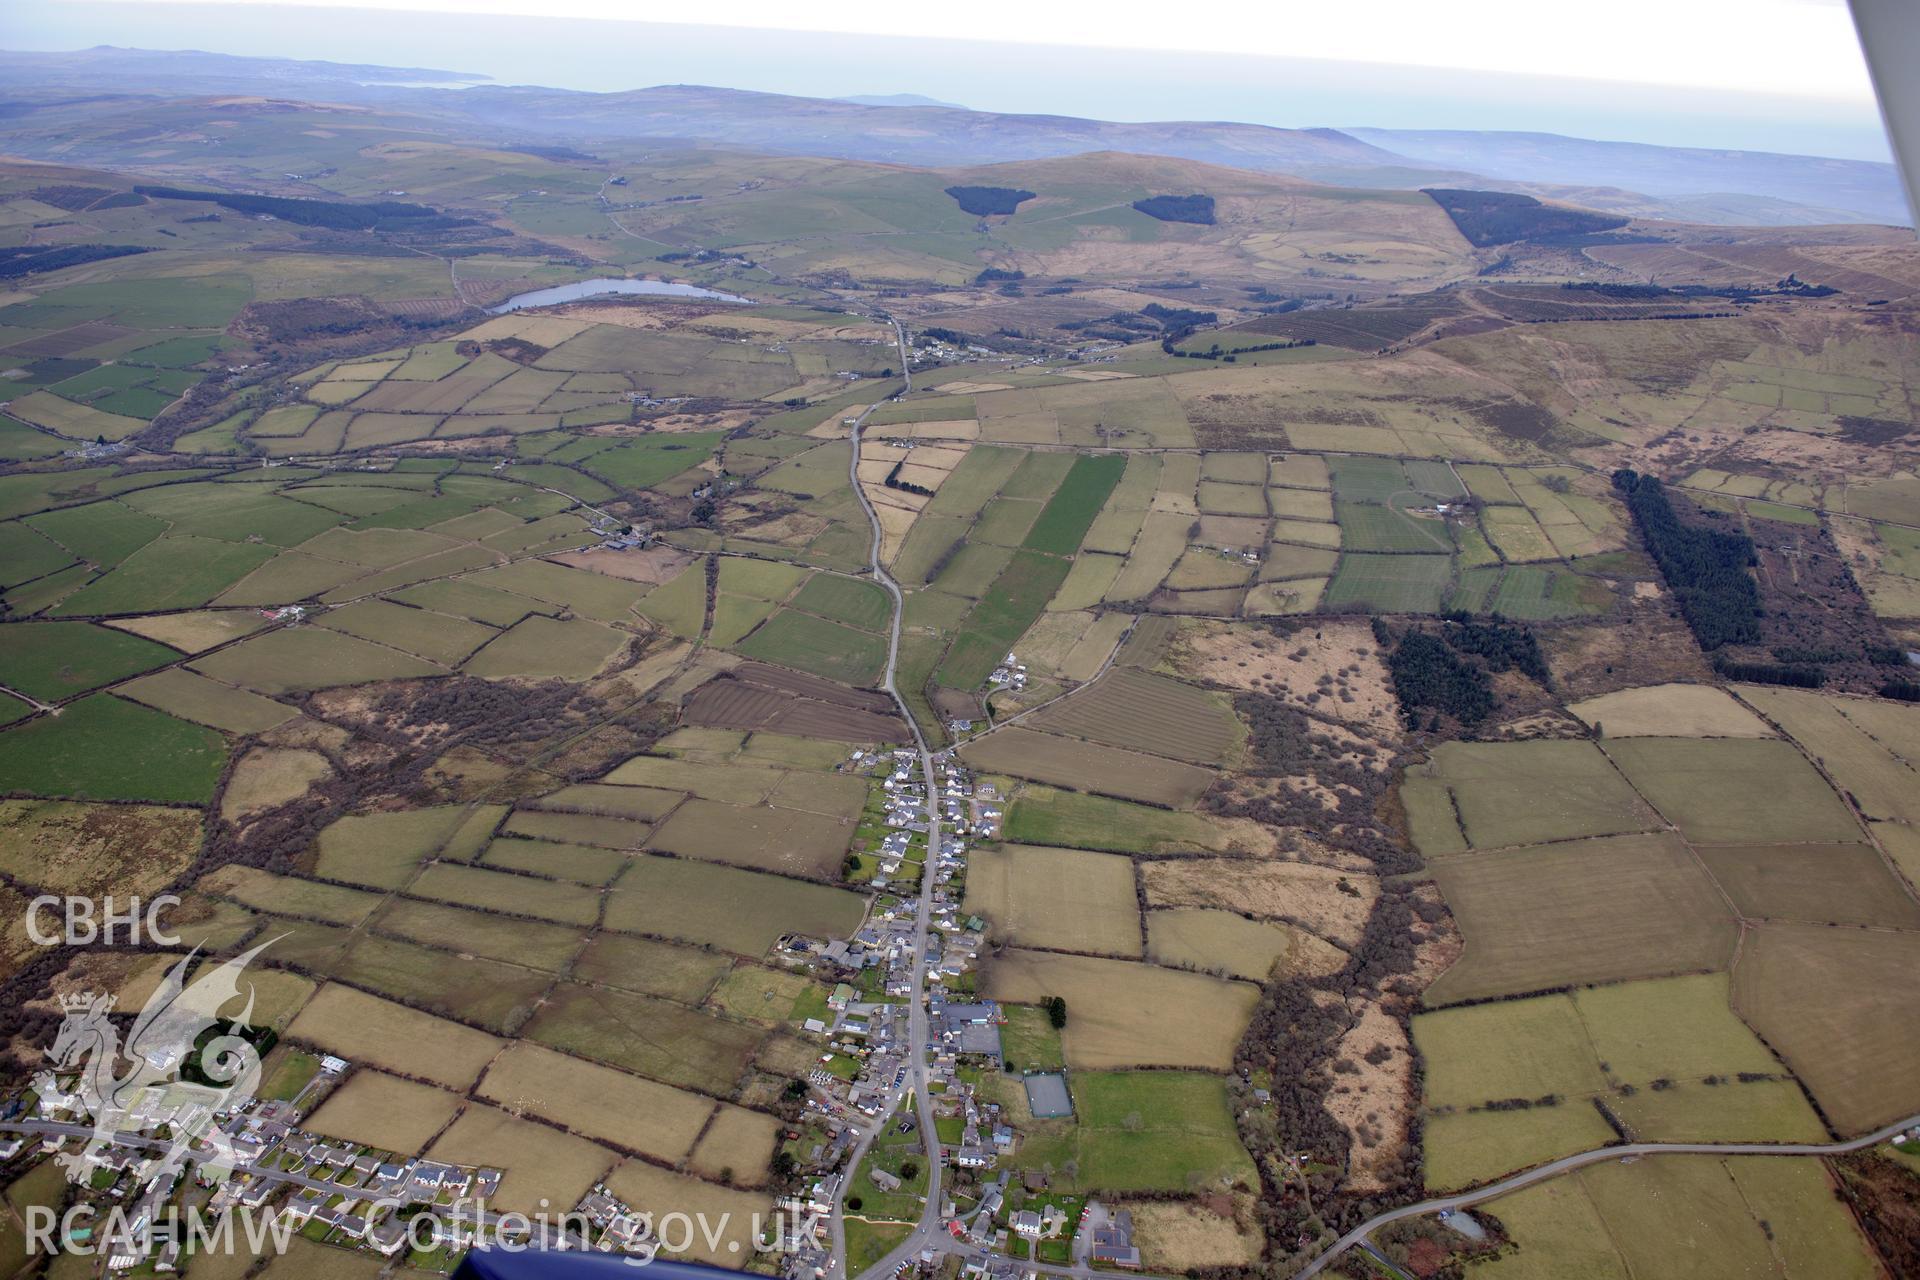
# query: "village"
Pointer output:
{"type": "Point", "coordinates": [854, 1148]}
{"type": "Point", "coordinates": [859, 1136]}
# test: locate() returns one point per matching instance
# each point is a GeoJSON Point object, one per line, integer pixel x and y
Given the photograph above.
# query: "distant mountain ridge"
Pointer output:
{"type": "Point", "coordinates": [922, 136]}
{"type": "Point", "coordinates": [109, 68]}
{"type": "Point", "coordinates": [1860, 186]}
{"type": "Point", "coordinates": [1634, 179]}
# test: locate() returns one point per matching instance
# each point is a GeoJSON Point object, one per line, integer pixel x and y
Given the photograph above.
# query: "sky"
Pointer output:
{"type": "Point", "coordinates": [1773, 75]}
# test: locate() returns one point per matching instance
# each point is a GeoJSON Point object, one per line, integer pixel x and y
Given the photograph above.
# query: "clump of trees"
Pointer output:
{"type": "Point", "coordinates": [1446, 672]}
{"type": "Point", "coordinates": [1293, 1040]}
{"type": "Point", "coordinates": [1501, 645]}
{"type": "Point", "coordinates": [989, 202]}
{"type": "Point", "coordinates": [893, 481]}
{"type": "Point", "coordinates": [1280, 735]}
{"type": "Point", "coordinates": [1056, 1007]}
{"type": "Point", "coordinates": [1428, 674]}
{"type": "Point", "coordinates": [75, 199]}
{"type": "Point", "coordinates": [1215, 353]}
{"type": "Point", "coordinates": [1187, 318]}
{"type": "Point", "coordinates": [1705, 568]}
{"type": "Point", "coordinates": [1195, 208]}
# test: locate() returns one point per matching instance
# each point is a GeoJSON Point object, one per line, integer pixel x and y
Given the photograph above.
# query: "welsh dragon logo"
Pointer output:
{"type": "Point", "coordinates": [166, 1035]}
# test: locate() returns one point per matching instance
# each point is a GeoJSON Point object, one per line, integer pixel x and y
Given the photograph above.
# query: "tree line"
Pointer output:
{"type": "Point", "coordinates": [22, 260]}
{"type": "Point", "coordinates": [340, 215]}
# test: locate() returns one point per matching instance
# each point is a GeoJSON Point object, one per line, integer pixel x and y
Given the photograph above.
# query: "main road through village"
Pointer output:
{"type": "Point", "coordinates": [917, 1038]}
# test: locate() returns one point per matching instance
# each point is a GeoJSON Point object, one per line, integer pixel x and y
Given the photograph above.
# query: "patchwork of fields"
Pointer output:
{"type": "Point", "coordinates": [545, 378]}
{"type": "Point", "coordinates": [1666, 1029]}
{"type": "Point", "coordinates": [529, 818]}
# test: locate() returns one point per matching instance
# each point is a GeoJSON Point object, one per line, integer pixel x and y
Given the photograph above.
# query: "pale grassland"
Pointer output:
{"type": "Point", "coordinates": [364, 1028]}
{"type": "Point", "coordinates": [596, 1101]}
{"type": "Point", "coordinates": [1671, 711]}
{"type": "Point", "coordinates": [542, 1165]}
{"type": "Point", "coordinates": [1124, 1014]}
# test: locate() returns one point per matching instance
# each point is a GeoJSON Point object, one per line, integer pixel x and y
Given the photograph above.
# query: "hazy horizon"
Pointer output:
{"type": "Point", "coordinates": [1123, 84]}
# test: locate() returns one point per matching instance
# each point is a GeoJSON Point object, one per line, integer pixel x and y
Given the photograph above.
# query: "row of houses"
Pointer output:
{"type": "Point", "coordinates": [252, 1154]}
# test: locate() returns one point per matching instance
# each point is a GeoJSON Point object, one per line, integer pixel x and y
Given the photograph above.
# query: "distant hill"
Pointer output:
{"type": "Point", "coordinates": [918, 135]}
{"type": "Point", "coordinates": [898, 100]}
{"type": "Point", "coordinates": [1708, 179]}
{"type": "Point", "coordinates": [108, 68]}
{"type": "Point", "coordinates": [1627, 179]}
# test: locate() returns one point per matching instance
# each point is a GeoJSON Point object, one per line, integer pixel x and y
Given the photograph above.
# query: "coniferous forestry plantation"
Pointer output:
{"type": "Point", "coordinates": [984, 202]}
{"type": "Point", "coordinates": [1498, 217]}
{"type": "Point", "coordinates": [1706, 568]}
{"type": "Point", "coordinates": [1503, 646]}
{"type": "Point", "coordinates": [339, 215]}
{"type": "Point", "coordinates": [1194, 208]}
{"type": "Point", "coordinates": [31, 259]}
{"type": "Point", "coordinates": [1427, 674]}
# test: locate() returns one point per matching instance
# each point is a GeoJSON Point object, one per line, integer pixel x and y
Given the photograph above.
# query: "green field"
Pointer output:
{"type": "Point", "coordinates": [1064, 521]}
{"type": "Point", "coordinates": [381, 849]}
{"type": "Point", "coordinates": [648, 1036]}
{"type": "Point", "coordinates": [171, 572]}
{"type": "Point", "coordinates": [1668, 1058]}
{"type": "Point", "coordinates": [1138, 1131]}
{"type": "Point", "coordinates": [53, 661]}
{"type": "Point", "coordinates": [104, 533]}
{"type": "Point", "coordinates": [680, 604]}
{"type": "Point", "coordinates": [26, 554]}
{"type": "Point", "coordinates": [182, 693]}
{"type": "Point", "coordinates": [1075, 820]}
{"type": "Point", "coordinates": [1828, 1001]}
{"type": "Point", "coordinates": [1018, 596]}
{"type": "Point", "coordinates": [582, 864]}
{"type": "Point", "coordinates": [1514, 793]}
{"type": "Point", "coordinates": [1029, 1041]}
{"type": "Point", "coordinates": [1716, 1219]}
{"type": "Point", "coordinates": [642, 464]}
{"type": "Point", "coordinates": [1378, 527]}
{"type": "Point", "coordinates": [433, 636]}
{"type": "Point", "coordinates": [549, 648]}
{"type": "Point", "coordinates": [1530, 593]}
{"type": "Point", "coordinates": [1357, 479]}
{"type": "Point", "coordinates": [298, 659]}
{"type": "Point", "coordinates": [103, 748]}
{"type": "Point", "coordinates": [858, 604]}
{"type": "Point", "coordinates": [811, 644]}
{"type": "Point", "coordinates": [1388, 583]}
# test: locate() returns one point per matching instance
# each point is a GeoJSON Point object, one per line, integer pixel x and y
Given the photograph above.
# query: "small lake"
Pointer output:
{"type": "Point", "coordinates": [602, 288]}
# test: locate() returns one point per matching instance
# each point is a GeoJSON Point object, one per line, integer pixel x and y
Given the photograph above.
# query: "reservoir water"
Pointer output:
{"type": "Point", "coordinates": [601, 288]}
